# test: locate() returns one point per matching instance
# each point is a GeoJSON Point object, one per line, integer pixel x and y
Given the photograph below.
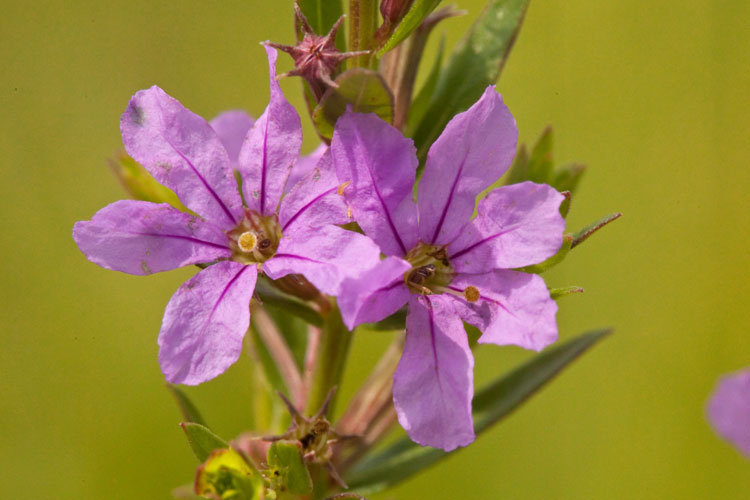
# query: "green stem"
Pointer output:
{"type": "Point", "coordinates": [363, 22]}
{"type": "Point", "coordinates": [334, 340]}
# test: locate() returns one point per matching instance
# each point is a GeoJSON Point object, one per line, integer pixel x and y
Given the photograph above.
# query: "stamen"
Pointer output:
{"type": "Point", "coordinates": [342, 187]}
{"type": "Point", "coordinates": [448, 290]}
{"type": "Point", "coordinates": [248, 240]}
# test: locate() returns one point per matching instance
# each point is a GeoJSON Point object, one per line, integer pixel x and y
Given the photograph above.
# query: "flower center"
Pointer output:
{"type": "Point", "coordinates": [431, 271]}
{"type": "Point", "coordinates": [255, 239]}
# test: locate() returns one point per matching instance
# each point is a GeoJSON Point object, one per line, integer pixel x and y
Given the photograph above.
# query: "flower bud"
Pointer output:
{"type": "Point", "coordinates": [394, 10]}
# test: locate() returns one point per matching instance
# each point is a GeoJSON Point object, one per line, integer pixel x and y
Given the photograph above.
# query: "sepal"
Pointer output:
{"type": "Point", "coordinates": [363, 90]}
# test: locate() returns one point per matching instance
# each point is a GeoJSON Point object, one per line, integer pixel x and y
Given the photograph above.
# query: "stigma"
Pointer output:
{"type": "Point", "coordinates": [247, 241]}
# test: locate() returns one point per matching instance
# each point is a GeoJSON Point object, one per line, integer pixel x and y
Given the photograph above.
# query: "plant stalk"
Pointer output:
{"type": "Point", "coordinates": [333, 348]}
{"type": "Point", "coordinates": [363, 22]}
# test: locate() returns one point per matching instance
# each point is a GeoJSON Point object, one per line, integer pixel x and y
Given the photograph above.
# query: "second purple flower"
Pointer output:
{"type": "Point", "coordinates": [445, 265]}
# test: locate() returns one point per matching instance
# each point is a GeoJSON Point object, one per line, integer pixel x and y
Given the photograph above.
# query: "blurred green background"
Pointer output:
{"type": "Point", "coordinates": [653, 96]}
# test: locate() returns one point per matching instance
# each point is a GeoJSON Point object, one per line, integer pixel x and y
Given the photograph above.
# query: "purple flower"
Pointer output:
{"type": "Point", "coordinates": [729, 410]}
{"type": "Point", "coordinates": [206, 319]}
{"type": "Point", "coordinates": [447, 266]}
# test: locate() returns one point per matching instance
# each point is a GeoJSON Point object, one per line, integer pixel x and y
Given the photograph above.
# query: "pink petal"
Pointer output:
{"type": "Point", "coordinates": [315, 201]}
{"type": "Point", "coordinates": [232, 127]}
{"type": "Point", "coordinates": [376, 294]}
{"type": "Point", "coordinates": [204, 323]}
{"type": "Point", "coordinates": [138, 237]}
{"type": "Point", "coordinates": [513, 308]}
{"type": "Point", "coordinates": [515, 226]}
{"type": "Point", "coordinates": [474, 150]}
{"type": "Point", "coordinates": [182, 152]}
{"type": "Point", "coordinates": [729, 410]}
{"type": "Point", "coordinates": [305, 165]}
{"type": "Point", "coordinates": [270, 149]}
{"type": "Point", "coordinates": [325, 256]}
{"type": "Point", "coordinates": [381, 165]}
{"type": "Point", "coordinates": [433, 383]}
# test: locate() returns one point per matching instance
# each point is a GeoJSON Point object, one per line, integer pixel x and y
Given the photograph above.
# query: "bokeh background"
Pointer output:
{"type": "Point", "coordinates": [653, 96]}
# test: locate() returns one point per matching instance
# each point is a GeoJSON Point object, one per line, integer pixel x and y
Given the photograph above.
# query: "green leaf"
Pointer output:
{"type": "Point", "coordinates": [227, 475]}
{"type": "Point", "coordinates": [420, 103]}
{"type": "Point", "coordinates": [189, 412]}
{"type": "Point", "coordinates": [140, 184]}
{"type": "Point", "coordinates": [567, 177]}
{"type": "Point", "coordinates": [493, 402]}
{"type": "Point", "coordinates": [321, 14]}
{"type": "Point", "coordinates": [287, 470]}
{"type": "Point", "coordinates": [202, 440]}
{"type": "Point", "coordinates": [556, 293]}
{"type": "Point", "coordinates": [552, 261]}
{"type": "Point", "coordinates": [362, 89]}
{"type": "Point", "coordinates": [395, 321]}
{"type": "Point", "coordinates": [270, 370]}
{"type": "Point", "coordinates": [475, 63]}
{"type": "Point", "coordinates": [419, 10]}
{"type": "Point", "coordinates": [519, 169]}
{"type": "Point", "coordinates": [587, 231]}
{"type": "Point", "coordinates": [540, 166]}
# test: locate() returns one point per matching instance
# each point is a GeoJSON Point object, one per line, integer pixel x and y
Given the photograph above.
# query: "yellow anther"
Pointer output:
{"type": "Point", "coordinates": [340, 189]}
{"type": "Point", "coordinates": [471, 293]}
{"type": "Point", "coordinates": [247, 241]}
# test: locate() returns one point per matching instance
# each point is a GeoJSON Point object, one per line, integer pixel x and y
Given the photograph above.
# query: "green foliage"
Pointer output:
{"type": "Point", "coordinates": [287, 471]}
{"type": "Point", "coordinates": [475, 63]}
{"type": "Point", "coordinates": [491, 404]}
{"type": "Point", "coordinates": [538, 166]}
{"type": "Point", "coordinates": [421, 102]}
{"type": "Point", "coordinates": [226, 475]}
{"type": "Point", "coordinates": [189, 411]}
{"type": "Point", "coordinates": [140, 184]}
{"type": "Point", "coordinates": [557, 293]}
{"type": "Point", "coordinates": [362, 89]}
{"type": "Point", "coordinates": [321, 14]}
{"type": "Point", "coordinates": [587, 231]}
{"type": "Point", "coordinates": [202, 440]}
{"type": "Point", "coordinates": [419, 10]}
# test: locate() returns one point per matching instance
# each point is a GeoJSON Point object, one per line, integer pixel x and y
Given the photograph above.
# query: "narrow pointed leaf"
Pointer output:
{"type": "Point", "coordinates": [475, 63]}
{"type": "Point", "coordinates": [587, 231]}
{"type": "Point", "coordinates": [419, 10]}
{"type": "Point", "coordinates": [556, 293]}
{"type": "Point", "coordinates": [362, 89]}
{"type": "Point", "coordinates": [491, 404]}
{"type": "Point", "coordinates": [565, 205]}
{"type": "Point", "coordinates": [189, 411]}
{"type": "Point", "coordinates": [202, 440]}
